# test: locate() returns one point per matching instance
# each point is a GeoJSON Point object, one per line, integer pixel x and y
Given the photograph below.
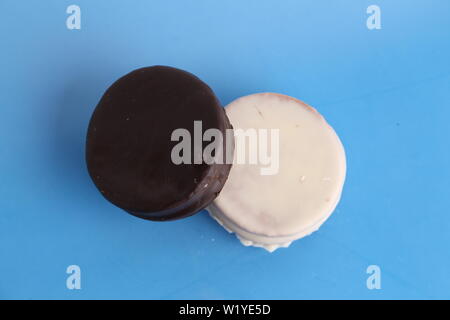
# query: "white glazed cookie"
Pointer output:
{"type": "Point", "coordinates": [271, 211]}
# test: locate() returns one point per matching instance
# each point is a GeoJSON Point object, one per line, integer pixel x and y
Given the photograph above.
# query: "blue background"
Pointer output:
{"type": "Point", "coordinates": [386, 92]}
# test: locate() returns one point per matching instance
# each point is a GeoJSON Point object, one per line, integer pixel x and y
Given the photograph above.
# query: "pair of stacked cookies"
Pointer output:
{"type": "Point", "coordinates": [267, 167]}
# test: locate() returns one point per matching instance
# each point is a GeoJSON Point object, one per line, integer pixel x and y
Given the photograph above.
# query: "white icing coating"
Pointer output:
{"type": "Point", "coordinates": [271, 211]}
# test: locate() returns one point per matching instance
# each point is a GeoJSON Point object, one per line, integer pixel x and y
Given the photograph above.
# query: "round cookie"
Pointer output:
{"type": "Point", "coordinates": [272, 210]}
{"type": "Point", "coordinates": [129, 144]}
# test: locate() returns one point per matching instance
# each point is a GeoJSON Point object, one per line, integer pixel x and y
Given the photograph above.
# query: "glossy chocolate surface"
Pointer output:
{"type": "Point", "coordinates": [128, 148]}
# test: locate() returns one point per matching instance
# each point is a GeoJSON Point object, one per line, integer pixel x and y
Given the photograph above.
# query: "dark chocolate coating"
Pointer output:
{"type": "Point", "coordinates": [128, 148]}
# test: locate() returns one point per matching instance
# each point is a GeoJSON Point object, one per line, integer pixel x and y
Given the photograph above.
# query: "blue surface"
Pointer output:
{"type": "Point", "coordinates": [386, 92]}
